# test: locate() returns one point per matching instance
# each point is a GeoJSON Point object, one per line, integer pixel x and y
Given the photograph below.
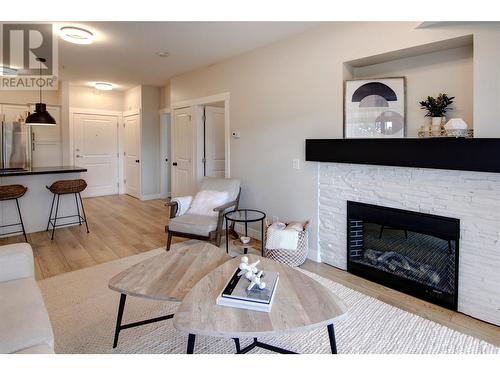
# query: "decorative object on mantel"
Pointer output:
{"type": "Point", "coordinates": [455, 127]}
{"type": "Point", "coordinates": [375, 108]}
{"type": "Point", "coordinates": [436, 109]}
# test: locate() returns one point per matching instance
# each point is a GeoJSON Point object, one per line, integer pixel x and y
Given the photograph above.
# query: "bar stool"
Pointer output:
{"type": "Point", "coordinates": [13, 192]}
{"type": "Point", "coordinates": [63, 187]}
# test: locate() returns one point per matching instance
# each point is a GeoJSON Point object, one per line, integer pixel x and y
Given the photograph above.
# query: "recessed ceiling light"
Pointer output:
{"type": "Point", "coordinates": [163, 54]}
{"type": "Point", "coordinates": [104, 86]}
{"type": "Point", "coordinates": [77, 35]}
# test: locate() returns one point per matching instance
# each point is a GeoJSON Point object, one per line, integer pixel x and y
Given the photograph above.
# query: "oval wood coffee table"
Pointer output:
{"type": "Point", "coordinates": [301, 304]}
{"type": "Point", "coordinates": [168, 276]}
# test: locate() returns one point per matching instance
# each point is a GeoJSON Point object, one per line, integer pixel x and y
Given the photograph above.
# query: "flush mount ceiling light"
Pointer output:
{"type": "Point", "coordinates": [163, 54]}
{"type": "Point", "coordinates": [77, 35]}
{"type": "Point", "coordinates": [7, 71]}
{"type": "Point", "coordinates": [104, 86]}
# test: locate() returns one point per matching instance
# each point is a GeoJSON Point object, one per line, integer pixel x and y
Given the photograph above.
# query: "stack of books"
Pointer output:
{"type": "Point", "coordinates": [235, 294]}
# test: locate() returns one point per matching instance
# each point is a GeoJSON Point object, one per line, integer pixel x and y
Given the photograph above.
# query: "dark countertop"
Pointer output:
{"type": "Point", "coordinates": [41, 170]}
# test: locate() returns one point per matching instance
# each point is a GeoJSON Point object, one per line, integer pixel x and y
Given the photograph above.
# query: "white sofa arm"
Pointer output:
{"type": "Point", "coordinates": [16, 262]}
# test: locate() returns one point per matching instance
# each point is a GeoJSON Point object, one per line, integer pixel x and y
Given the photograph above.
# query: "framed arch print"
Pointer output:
{"type": "Point", "coordinates": [375, 108]}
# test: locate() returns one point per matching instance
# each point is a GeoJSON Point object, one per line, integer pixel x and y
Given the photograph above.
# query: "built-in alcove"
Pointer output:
{"type": "Point", "coordinates": [440, 67]}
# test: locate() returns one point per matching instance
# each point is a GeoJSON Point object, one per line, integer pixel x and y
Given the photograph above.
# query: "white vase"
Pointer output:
{"type": "Point", "coordinates": [436, 121]}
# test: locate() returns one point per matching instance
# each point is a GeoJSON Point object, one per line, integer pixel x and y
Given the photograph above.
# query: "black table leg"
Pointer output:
{"type": "Point", "coordinates": [121, 307]}
{"type": "Point", "coordinates": [227, 237]}
{"type": "Point", "coordinates": [262, 236]}
{"type": "Point", "coordinates": [190, 347]}
{"type": "Point", "coordinates": [331, 335]}
{"type": "Point", "coordinates": [237, 343]}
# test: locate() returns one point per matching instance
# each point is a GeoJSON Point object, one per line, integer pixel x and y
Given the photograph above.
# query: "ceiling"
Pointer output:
{"type": "Point", "coordinates": [124, 53]}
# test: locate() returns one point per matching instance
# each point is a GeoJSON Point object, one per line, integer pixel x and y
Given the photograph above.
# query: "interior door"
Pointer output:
{"type": "Point", "coordinates": [96, 148]}
{"type": "Point", "coordinates": [183, 181]}
{"type": "Point", "coordinates": [132, 152]}
{"type": "Point", "coordinates": [215, 155]}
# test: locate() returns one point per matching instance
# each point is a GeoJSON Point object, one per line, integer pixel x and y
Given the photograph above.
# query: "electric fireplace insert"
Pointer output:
{"type": "Point", "coordinates": [416, 253]}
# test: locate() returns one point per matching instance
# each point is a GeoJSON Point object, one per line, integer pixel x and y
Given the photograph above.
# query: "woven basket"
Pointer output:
{"type": "Point", "coordinates": [293, 258]}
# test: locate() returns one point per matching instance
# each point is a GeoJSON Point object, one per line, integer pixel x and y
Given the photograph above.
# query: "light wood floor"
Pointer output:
{"type": "Point", "coordinates": [121, 226]}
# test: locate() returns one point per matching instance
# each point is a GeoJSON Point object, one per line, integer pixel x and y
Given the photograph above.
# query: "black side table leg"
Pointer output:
{"type": "Point", "coordinates": [227, 237]}
{"type": "Point", "coordinates": [121, 307]}
{"type": "Point", "coordinates": [331, 336]}
{"type": "Point", "coordinates": [190, 347]}
{"type": "Point", "coordinates": [262, 237]}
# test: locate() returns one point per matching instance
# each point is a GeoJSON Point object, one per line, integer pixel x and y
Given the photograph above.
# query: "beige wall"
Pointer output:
{"type": "Point", "coordinates": [88, 97]}
{"type": "Point", "coordinates": [292, 90]}
{"type": "Point", "coordinates": [448, 71]}
{"type": "Point", "coordinates": [25, 97]}
{"type": "Point", "coordinates": [165, 96]}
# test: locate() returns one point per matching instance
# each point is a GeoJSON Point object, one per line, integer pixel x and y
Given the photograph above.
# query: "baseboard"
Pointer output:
{"type": "Point", "coordinates": [150, 197]}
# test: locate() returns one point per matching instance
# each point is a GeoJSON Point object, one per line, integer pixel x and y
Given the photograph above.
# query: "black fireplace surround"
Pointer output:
{"type": "Point", "coordinates": [412, 252]}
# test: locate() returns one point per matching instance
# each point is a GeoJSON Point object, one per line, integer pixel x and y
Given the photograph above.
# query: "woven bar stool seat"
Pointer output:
{"type": "Point", "coordinates": [68, 186]}
{"type": "Point", "coordinates": [63, 187]}
{"type": "Point", "coordinates": [8, 192]}
{"type": "Point", "coordinates": [14, 192]}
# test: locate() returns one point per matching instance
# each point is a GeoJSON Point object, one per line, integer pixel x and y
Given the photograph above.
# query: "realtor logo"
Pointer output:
{"type": "Point", "coordinates": [21, 45]}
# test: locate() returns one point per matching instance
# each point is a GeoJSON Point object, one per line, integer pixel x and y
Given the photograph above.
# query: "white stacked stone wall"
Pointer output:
{"type": "Point", "coordinates": [472, 197]}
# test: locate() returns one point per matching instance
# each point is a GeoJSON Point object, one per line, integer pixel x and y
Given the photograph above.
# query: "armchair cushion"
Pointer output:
{"type": "Point", "coordinates": [200, 225]}
{"type": "Point", "coordinates": [206, 200]}
{"type": "Point", "coordinates": [231, 185]}
{"type": "Point", "coordinates": [16, 262]}
{"type": "Point", "coordinates": [25, 322]}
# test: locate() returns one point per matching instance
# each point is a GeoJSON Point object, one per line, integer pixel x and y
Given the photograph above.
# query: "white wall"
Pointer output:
{"type": "Point", "coordinates": [88, 97]}
{"type": "Point", "coordinates": [448, 71]}
{"type": "Point", "coordinates": [292, 90]}
{"type": "Point", "coordinates": [150, 137]}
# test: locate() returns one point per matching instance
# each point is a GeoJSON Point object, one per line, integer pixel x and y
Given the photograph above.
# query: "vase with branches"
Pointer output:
{"type": "Point", "coordinates": [436, 107]}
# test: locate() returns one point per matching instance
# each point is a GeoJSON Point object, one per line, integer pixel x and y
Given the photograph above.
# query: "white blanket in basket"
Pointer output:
{"type": "Point", "coordinates": [280, 237]}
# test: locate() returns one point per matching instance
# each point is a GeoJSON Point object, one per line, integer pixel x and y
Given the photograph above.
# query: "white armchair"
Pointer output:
{"type": "Point", "coordinates": [24, 325]}
{"type": "Point", "coordinates": [204, 227]}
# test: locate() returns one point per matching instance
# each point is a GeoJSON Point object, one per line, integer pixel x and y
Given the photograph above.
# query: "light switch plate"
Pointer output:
{"type": "Point", "coordinates": [296, 163]}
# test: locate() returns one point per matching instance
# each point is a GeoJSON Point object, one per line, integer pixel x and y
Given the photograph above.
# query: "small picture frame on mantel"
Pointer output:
{"type": "Point", "coordinates": [375, 108]}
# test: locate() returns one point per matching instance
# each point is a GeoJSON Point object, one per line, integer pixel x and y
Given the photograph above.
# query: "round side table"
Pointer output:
{"type": "Point", "coordinates": [245, 216]}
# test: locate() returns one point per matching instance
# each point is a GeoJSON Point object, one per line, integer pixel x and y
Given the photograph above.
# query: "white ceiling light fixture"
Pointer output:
{"type": "Point", "coordinates": [103, 86]}
{"type": "Point", "coordinates": [77, 35]}
{"type": "Point", "coordinates": [163, 54]}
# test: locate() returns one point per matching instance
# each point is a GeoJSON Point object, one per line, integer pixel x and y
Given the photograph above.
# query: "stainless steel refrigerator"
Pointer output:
{"type": "Point", "coordinates": [15, 144]}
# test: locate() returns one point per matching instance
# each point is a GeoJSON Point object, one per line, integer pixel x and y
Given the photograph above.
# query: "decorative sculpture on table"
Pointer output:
{"type": "Point", "coordinates": [251, 273]}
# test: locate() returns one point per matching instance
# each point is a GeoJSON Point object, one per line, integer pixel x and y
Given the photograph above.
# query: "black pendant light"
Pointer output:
{"type": "Point", "coordinates": [40, 117]}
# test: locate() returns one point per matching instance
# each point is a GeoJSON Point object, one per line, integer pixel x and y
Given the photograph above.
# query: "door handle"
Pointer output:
{"type": "Point", "coordinates": [79, 156]}
{"type": "Point", "coordinates": [174, 164]}
{"type": "Point", "coordinates": [137, 161]}
{"type": "Point", "coordinates": [166, 159]}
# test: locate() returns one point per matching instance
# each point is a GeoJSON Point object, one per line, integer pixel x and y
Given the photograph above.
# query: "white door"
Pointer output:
{"type": "Point", "coordinates": [215, 156]}
{"type": "Point", "coordinates": [96, 149]}
{"type": "Point", "coordinates": [183, 140]}
{"type": "Point", "coordinates": [132, 153]}
{"type": "Point", "coordinates": [46, 141]}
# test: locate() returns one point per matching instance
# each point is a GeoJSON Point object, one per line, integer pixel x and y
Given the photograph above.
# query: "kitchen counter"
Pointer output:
{"type": "Point", "coordinates": [41, 170]}
{"type": "Point", "coordinates": [35, 204]}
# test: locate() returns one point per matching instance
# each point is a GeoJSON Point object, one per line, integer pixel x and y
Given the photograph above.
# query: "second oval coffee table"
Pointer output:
{"type": "Point", "coordinates": [300, 304]}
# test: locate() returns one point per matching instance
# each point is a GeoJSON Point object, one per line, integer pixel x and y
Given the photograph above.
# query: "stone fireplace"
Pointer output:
{"type": "Point", "coordinates": [472, 198]}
